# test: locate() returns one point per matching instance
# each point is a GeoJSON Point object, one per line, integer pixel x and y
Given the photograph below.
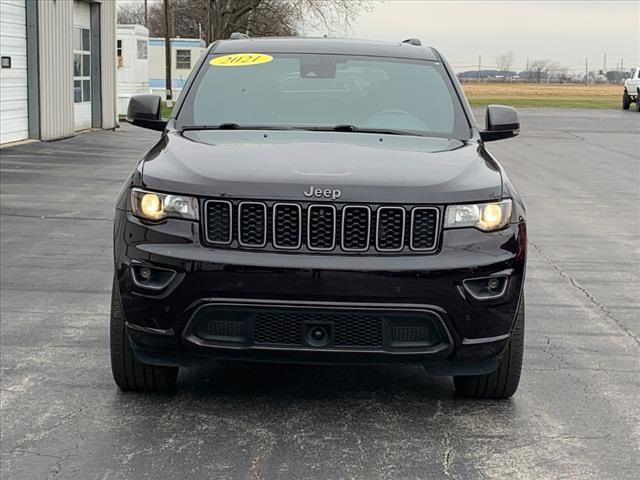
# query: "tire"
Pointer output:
{"type": "Point", "coordinates": [626, 101]}
{"type": "Point", "coordinates": [638, 100]}
{"type": "Point", "coordinates": [503, 382]}
{"type": "Point", "coordinates": [128, 373]}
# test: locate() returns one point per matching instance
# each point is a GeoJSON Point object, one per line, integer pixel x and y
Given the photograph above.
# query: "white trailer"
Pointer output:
{"type": "Point", "coordinates": [132, 63]}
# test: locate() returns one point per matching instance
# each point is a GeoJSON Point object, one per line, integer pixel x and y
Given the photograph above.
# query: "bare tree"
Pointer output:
{"type": "Point", "coordinates": [539, 69]}
{"type": "Point", "coordinates": [505, 61]}
{"type": "Point", "coordinates": [219, 18]}
{"type": "Point", "coordinates": [130, 13]}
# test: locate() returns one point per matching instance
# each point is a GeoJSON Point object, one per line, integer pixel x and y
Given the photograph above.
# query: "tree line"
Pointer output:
{"type": "Point", "coordinates": [216, 19]}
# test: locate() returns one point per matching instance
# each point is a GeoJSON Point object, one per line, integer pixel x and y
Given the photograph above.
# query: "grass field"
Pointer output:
{"type": "Point", "coordinates": [533, 95]}
{"type": "Point", "coordinates": [544, 95]}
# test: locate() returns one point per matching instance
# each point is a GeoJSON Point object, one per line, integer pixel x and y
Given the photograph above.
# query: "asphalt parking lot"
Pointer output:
{"type": "Point", "coordinates": [576, 414]}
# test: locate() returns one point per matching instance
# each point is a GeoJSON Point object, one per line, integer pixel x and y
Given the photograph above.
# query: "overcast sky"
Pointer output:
{"type": "Point", "coordinates": [563, 31]}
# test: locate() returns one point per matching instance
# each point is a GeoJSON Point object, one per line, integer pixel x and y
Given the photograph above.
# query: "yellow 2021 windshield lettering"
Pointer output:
{"type": "Point", "coordinates": [241, 60]}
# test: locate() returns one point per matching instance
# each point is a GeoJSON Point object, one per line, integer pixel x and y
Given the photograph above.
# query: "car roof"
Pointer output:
{"type": "Point", "coordinates": [336, 46]}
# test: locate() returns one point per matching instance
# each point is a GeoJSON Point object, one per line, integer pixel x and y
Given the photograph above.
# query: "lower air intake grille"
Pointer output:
{"type": "Point", "coordinates": [222, 328]}
{"type": "Point", "coordinates": [409, 334]}
{"type": "Point", "coordinates": [287, 328]}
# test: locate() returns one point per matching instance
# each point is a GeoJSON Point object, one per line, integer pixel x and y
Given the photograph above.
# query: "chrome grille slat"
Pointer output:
{"type": "Point", "coordinates": [321, 227]}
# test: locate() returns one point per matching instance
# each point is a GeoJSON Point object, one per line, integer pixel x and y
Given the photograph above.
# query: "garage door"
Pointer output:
{"type": "Point", "coordinates": [14, 115]}
{"type": "Point", "coordinates": [81, 65]}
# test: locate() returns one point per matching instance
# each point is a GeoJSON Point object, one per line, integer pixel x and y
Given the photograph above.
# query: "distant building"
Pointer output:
{"type": "Point", "coordinates": [132, 63]}
{"type": "Point", "coordinates": [58, 72]}
{"type": "Point", "coordinates": [184, 54]}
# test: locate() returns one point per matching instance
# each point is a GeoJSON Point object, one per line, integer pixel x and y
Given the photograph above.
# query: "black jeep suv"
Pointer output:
{"type": "Point", "coordinates": [320, 201]}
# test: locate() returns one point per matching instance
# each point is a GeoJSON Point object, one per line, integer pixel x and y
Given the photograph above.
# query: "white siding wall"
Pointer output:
{"type": "Point", "coordinates": [108, 54]}
{"type": "Point", "coordinates": [13, 81]}
{"type": "Point", "coordinates": [55, 58]}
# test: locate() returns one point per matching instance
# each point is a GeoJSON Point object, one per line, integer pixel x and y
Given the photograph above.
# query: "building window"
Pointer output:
{"type": "Point", "coordinates": [81, 65]}
{"type": "Point", "coordinates": [142, 50]}
{"type": "Point", "coordinates": [119, 57]}
{"type": "Point", "coordinates": [183, 59]}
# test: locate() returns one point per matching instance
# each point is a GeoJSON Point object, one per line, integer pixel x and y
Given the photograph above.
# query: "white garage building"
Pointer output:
{"type": "Point", "coordinates": [57, 74]}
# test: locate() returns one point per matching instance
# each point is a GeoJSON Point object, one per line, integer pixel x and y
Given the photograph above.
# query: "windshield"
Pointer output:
{"type": "Point", "coordinates": [325, 91]}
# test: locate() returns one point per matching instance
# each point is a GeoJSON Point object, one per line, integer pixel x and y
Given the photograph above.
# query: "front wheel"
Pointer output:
{"type": "Point", "coordinates": [129, 373]}
{"type": "Point", "coordinates": [503, 382]}
{"type": "Point", "coordinates": [638, 100]}
{"type": "Point", "coordinates": [626, 101]}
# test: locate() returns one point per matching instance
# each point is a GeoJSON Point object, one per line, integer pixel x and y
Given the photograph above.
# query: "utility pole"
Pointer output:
{"type": "Point", "coordinates": [586, 71]}
{"type": "Point", "coordinates": [146, 15]}
{"type": "Point", "coordinates": [209, 22]}
{"type": "Point", "coordinates": [167, 54]}
{"type": "Point", "coordinates": [479, 66]}
{"type": "Point", "coordinates": [622, 64]}
{"type": "Point", "coordinates": [604, 64]}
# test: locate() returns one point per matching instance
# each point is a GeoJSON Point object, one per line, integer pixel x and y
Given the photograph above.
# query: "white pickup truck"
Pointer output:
{"type": "Point", "coordinates": [632, 91]}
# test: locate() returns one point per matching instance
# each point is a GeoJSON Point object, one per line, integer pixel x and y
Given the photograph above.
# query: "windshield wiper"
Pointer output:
{"type": "Point", "coordinates": [355, 129]}
{"type": "Point", "coordinates": [335, 128]}
{"type": "Point", "coordinates": [233, 126]}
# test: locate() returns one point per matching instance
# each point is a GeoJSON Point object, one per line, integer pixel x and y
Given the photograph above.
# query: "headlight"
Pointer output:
{"type": "Point", "coordinates": [484, 216]}
{"type": "Point", "coordinates": [158, 206]}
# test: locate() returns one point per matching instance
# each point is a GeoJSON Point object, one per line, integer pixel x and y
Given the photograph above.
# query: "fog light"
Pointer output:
{"type": "Point", "coordinates": [493, 283]}
{"type": "Point", "coordinates": [486, 288]}
{"type": "Point", "coordinates": [145, 273]}
{"type": "Point", "coordinates": [153, 278]}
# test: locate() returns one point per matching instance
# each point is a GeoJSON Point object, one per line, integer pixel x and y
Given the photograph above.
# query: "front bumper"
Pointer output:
{"type": "Point", "coordinates": [466, 335]}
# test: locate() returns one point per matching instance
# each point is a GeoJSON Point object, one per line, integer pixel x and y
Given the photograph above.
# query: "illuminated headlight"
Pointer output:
{"type": "Point", "coordinates": [158, 206]}
{"type": "Point", "coordinates": [484, 216]}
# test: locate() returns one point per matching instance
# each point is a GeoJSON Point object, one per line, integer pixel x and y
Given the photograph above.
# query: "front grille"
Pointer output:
{"type": "Point", "coordinates": [219, 228]}
{"type": "Point", "coordinates": [424, 228]}
{"type": "Point", "coordinates": [339, 228]}
{"type": "Point", "coordinates": [356, 228]}
{"type": "Point", "coordinates": [287, 226]}
{"type": "Point", "coordinates": [321, 227]}
{"type": "Point", "coordinates": [390, 229]}
{"type": "Point", "coordinates": [252, 224]}
{"type": "Point", "coordinates": [287, 328]}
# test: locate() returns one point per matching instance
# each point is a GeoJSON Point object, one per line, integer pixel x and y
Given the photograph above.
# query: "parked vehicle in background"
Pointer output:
{"type": "Point", "coordinates": [632, 91]}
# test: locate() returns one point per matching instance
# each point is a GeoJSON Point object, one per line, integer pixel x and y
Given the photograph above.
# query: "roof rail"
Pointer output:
{"type": "Point", "coordinates": [238, 35]}
{"type": "Point", "coordinates": [413, 41]}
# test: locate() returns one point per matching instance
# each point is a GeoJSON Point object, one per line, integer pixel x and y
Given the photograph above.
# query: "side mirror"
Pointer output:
{"type": "Point", "coordinates": [144, 111]}
{"type": "Point", "coordinates": [502, 122]}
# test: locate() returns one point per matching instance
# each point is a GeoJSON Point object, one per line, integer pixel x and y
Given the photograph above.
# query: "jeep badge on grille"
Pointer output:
{"type": "Point", "coordinates": [334, 193]}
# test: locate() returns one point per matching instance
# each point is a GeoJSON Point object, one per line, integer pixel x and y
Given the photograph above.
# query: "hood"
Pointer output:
{"type": "Point", "coordinates": [282, 165]}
